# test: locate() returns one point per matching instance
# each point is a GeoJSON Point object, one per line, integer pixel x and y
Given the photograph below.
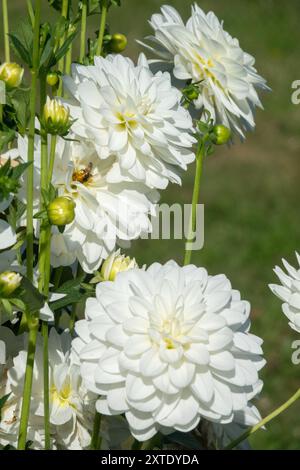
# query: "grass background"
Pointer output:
{"type": "Point", "coordinates": [251, 191]}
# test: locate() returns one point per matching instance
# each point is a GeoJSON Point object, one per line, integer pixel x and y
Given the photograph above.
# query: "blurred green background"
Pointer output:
{"type": "Point", "coordinates": [251, 191]}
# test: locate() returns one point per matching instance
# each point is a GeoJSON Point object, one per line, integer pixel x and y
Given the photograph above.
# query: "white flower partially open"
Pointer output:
{"type": "Point", "coordinates": [204, 53]}
{"type": "Point", "coordinates": [127, 111]}
{"type": "Point", "coordinates": [289, 292]}
{"type": "Point", "coordinates": [167, 346]}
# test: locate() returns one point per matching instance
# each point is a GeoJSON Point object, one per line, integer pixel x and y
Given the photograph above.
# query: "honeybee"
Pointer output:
{"type": "Point", "coordinates": [83, 175]}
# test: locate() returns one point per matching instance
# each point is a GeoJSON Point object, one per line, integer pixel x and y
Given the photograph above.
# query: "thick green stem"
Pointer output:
{"type": "Point", "coordinates": [31, 132]}
{"type": "Point", "coordinates": [264, 421]}
{"type": "Point", "coordinates": [61, 63]}
{"type": "Point", "coordinates": [102, 27]}
{"type": "Point", "coordinates": [5, 30]}
{"type": "Point", "coordinates": [196, 192]}
{"type": "Point", "coordinates": [44, 259]}
{"type": "Point", "coordinates": [96, 438]}
{"type": "Point", "coordinates": [83, 30]}
{"type": "Point", "coordinates": [32, 319]}
{"type": "Point", "coordinates": [33, 323]}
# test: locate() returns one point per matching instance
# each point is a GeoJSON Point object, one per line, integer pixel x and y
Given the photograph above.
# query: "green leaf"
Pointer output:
{"type": "Point", "coordinates": [71, 284]}
{"type": "Point", "coordinates": [19, 169]}
{"type": "Point", "coordinates": [72, 289]}
{"type": "Point", "coordinates": [6, 136]}
{"type": "Point", "coordinates": [30, 295]}
{"type": "Point", "coordinates": [47, 52]}
{"type": "Point", "coordinates": [18, 303]}
{"type": "Point", "coordinates": [3, 400]}
{"type": "Point", "coordinates": [6, 307]}
{"type": "Point", "coordinates": [63, 49]}
{"type": "Point", "coordinates": [72, 298]}
{"type": "Point", "coordinates": [41, 215]}
{"type": "Point", "coordinates": [22, 52]}
{"type": "Point", "coordinates": [18, 98]}
{"type": "Point", "coordinates": [16, 210]}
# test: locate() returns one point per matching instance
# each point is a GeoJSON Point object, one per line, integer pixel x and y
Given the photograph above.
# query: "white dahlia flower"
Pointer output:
{"type": "Point", "coordinates": [289, 292]}
{"type": "Point", "coordinates": [127, 111]}
{"type": "Point", "coordinates": [167, 347]}
{"type": "Point", "coordinates": [10, 412]}
{"type": "Point", "coordinates": [71, 405]}
{"type": "Point", "coordinates": [204, 53]}
{"type": "Point", "coordinates": [105, 212]}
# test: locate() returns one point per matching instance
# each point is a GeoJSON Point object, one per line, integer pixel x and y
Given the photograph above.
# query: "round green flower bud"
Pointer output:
{"type": "Point", "coordinates": [115, 264]}
{"type": "Point", "coordinates": [56, 118]}
{"type": "Point", "coordinates": [52, 78]}
{"type": "Point", "coordinates": [12, 74]}
{"type": "Point", "coordinates": [9, 282]}
{"type": "Point", "coordinates": [118, 43]}
{"type": "Point", "coordinates": [61, 211]}
{"type": "Point", "coordinates": [220, 134]}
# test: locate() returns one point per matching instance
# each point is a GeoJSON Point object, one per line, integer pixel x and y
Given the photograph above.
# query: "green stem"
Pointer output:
{"type": "Point", "coordinates": [1, 113]}
{"type": "Point", "coordinates": [46, 385]}
{"type": "Point", "coordinates": [69, 60]}
{"type": "Point", "coordinates": [51, 157]}
{"type": "Point", "coordinates": [32, 318]}
{"type": "Point", "coordinates": [44, 257]}
{"type": "Point", "coordinates": [96, 438]}
{"type": "Point", "coordinates": [102, 27]}
{"type": "Point", "coordinates": [33, 323]}
{"type": "Point", "coordinates": [30, 12]}
{"type": "Point", "coordinates": [31, 132]}
{"type": "Point", "coordinates": [83, 30]}
{"type": "Point", "coordinates": [264, 421]}
{"type": "Point", "coordinates": [196, 192]}
{"type": "Point", "coordinates": [61, 62]}
{"type": "Point", "coordinates": [5, 30]}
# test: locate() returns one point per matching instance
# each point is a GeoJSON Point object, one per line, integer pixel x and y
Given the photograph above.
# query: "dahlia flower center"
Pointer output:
{"type": "Point", "coordinates": [126, 120]}
{"type": "Point", "coordinates": [61, 397]}
{"type": "Point", "coordinates": [169, 332]}
{"type": "Point", "coordinates": [203, 68]}
{"type": "Point", "coordinates": [83, 175]}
